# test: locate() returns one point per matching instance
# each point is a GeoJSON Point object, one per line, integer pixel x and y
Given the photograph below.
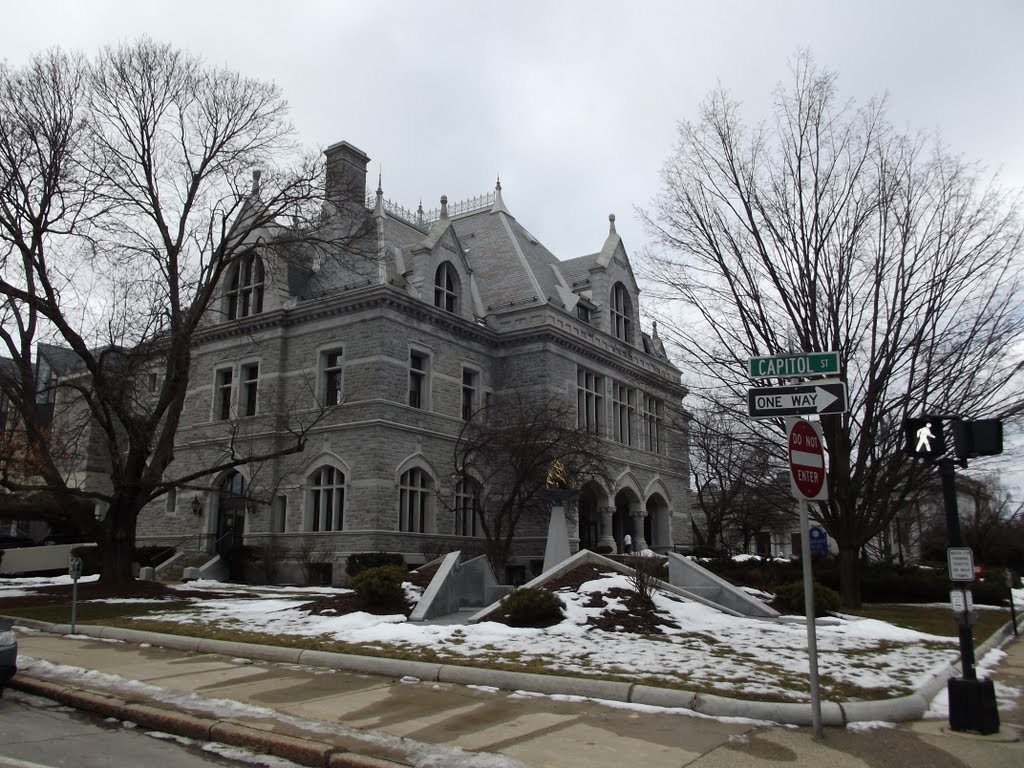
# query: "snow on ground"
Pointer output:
{"type": "Point", "coordinates": [710, 650]}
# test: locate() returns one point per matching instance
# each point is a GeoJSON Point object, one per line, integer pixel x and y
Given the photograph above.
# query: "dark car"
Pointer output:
{"type": "Point", "coordinates": [8, 654]}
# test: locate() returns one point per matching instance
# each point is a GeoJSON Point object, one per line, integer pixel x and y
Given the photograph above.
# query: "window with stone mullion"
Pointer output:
{"type": "Point", "coordinates": [467, 508]}
{"type": "Point", "coordinates": [624, 410]}
{"type": "Point", "coordinates": [589, 400]}
{"type": "Point", "coordinates": [328, 500]}
{"type": "Point", "coordinates": [413, 498]}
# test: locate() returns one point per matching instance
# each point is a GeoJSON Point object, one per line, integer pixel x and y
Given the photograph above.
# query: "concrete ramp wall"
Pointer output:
{"type": "Point", "coordinates": [686, 574]}
{"type": "Point", "coordinates": [458, 585]}
{"type": "Point", "coordinates": [585, 556]}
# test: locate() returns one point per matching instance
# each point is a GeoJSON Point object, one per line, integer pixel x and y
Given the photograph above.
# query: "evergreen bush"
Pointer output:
{"type": "Point", "coordinates": [532, 607]}
{"type": "Point", "coordinates": [361, 561]}
{"type": "Point", "coordinates": [381, 585]}
{"type": "Point", "coordinates": [790, 599]}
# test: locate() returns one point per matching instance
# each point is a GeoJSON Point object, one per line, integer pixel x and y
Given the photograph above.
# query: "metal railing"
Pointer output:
{"type": "Point", "coordinates": [423, 220]}
{"type": "Point", "coordinates": [173, 549]}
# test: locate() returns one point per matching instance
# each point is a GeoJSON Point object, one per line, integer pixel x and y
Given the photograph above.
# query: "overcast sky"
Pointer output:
{"type": "Point", "coordinates": [575, 104]}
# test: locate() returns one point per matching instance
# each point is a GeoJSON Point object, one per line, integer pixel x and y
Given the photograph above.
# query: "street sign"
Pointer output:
{"type": "Point", "coordinates": [818, 541]}
{"type": "Point", "coordinates": [961, 563]}
{"type": "Point", "coordinates": [796, 400]}
{"type": "Point", "coordinates": [793, 366]}
{"type": "Point", "coordinates": [806, 461]}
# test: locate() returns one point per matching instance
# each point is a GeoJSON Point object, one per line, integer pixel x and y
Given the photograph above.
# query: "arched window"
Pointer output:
{"type": "Point", "coordinates": [446, 285]}
{"type": "Point", "coordinates": [467, 508]}
{"type": "Point", "coordinates": [245, 287]}
{"type": "Point", "coordinates": [414, 493]}
{"type": "Point", "coordinates": [326, 500]}
{"type": "Point", "coordinates": [622, 311]}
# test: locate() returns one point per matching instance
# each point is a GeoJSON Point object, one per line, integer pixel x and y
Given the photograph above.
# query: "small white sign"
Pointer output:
{"type": "Point", "coordinates": [957, 601]}
{"type": "Point", "coordinates": [961, 600]}
{"type": "Point", "coordinates": [961, 563]}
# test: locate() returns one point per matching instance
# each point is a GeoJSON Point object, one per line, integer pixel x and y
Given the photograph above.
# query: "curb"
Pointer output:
{"type": "Point", "coordinates": [309, 752]}
{"type": "Point", "coordinates": [901, 709]}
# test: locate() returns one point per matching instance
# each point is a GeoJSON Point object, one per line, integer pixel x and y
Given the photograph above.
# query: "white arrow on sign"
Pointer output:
{"type": "Point", "coordinates": [819, 399]}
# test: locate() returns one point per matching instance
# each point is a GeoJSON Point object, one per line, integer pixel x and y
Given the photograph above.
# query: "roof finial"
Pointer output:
{"type": "Point", "coordinates": [256, 182]}
{"type": "Point", "coordinates": [444, 206]}
{"type": "Point", "coordinates": [654, 328]}
{"type": "Point", "coordinates": [611, 224]}
{"type": "Point", "coordinates": [378, 208]}
{"type": "Point", "coordinates": [499, 204]}
{"type": "Point", "coordinates": [419, 213]}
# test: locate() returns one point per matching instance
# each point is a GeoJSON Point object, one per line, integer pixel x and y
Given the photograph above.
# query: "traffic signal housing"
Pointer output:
{"type": "Point", "coordinates": [980, 437]}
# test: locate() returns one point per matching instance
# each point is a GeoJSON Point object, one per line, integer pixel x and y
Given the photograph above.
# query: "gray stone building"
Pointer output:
{"type": "Point", "coordinates": [382, 357]}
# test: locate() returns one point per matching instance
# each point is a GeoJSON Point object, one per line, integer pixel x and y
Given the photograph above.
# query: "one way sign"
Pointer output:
{"type": "Point", "coordinates": [796, 400]}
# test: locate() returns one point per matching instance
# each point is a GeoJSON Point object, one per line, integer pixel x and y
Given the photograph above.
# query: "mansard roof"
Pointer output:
{"type": "Point", "coordinates": [511, 267]}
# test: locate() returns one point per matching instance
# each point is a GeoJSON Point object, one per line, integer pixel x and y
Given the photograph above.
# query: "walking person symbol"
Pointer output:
{"type": "Point", "coordinates": [924, 438]}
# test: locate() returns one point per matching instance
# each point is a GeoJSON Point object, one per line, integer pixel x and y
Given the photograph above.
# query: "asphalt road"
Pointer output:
{"type": "Point", "coordinates": [38, 733]}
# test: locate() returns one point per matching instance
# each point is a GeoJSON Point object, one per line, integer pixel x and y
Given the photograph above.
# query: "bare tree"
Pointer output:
{"type": "Point", "coordinates": [734, 469]}
{"type": "Point", "coordinates": [505, 452]}
{"type": "Point", "coordinates": [131, 186]}
{"type": "Point", "coordinates": [827, 224]}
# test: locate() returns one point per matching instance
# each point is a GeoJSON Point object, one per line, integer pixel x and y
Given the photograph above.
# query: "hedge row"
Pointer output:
{"type": "Point", "coordinates": [879, 583]}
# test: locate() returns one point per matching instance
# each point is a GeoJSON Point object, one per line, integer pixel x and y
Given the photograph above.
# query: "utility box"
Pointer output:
{"type": "Point", "coordinates": [972, 706]}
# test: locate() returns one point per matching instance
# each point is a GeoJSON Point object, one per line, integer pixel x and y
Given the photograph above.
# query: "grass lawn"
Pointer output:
{"type": "Point", "coordinates": [933, 619]}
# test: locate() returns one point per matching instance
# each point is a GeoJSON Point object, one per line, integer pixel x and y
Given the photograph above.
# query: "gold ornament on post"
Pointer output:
{"type": "Point", "coordinates": [557, 476]}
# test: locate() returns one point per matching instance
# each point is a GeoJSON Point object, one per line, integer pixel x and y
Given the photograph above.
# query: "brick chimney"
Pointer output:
{"type": "Point", "coordinates": [346, 174]}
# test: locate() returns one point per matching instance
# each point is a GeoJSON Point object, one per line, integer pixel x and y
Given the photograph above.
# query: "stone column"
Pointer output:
{"type": "Point", "coordinates": [607, 539]}
{"type": "Point", "coordinates": [637, 514]}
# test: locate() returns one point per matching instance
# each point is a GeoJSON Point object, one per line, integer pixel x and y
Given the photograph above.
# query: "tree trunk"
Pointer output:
{"type": "Point", "coordinates": [849, 577]}
{"type": "Point", "coordinates": [117, 546]}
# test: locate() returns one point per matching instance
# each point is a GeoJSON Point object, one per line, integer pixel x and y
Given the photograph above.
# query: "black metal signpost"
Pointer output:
{"type": "Point", "coordinates": [972, 701]}
{"type": "Point", "coordinates": [75, 572]}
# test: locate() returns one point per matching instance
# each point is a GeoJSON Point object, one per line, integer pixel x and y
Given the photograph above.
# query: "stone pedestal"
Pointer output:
{"type": "Point", "coordinates": [557, 548]}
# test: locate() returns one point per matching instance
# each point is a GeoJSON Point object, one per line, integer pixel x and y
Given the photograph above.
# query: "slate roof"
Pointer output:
{"type": "Point", "coordinates": [61, 359]}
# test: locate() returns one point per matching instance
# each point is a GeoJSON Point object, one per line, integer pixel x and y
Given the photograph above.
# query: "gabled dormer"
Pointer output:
{"type": "Point", "coordinates": [256, 281]}
{"type": "Point", "coordinates": [439, 272]}
{"type": "Point", "coordinates": [614, 290]}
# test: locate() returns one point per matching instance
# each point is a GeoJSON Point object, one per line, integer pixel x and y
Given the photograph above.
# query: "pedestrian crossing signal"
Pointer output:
{"type": "Point", "coordinates": [926, 438]}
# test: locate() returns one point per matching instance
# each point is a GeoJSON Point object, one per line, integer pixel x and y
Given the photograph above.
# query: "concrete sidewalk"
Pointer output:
{"type": "Point", "coordinates": [325, 717]}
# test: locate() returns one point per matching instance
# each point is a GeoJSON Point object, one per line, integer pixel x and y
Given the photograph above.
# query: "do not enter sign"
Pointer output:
{"type": "Point", "coordinates": [806, 460]}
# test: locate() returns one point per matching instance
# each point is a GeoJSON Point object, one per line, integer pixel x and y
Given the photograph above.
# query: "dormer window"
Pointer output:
{"type": "Point", "coordinates": [245, 287]}
{"type": "Point", "coordinates": [622, 311]}
{"type": "Point", "coordinates": [446, 282]}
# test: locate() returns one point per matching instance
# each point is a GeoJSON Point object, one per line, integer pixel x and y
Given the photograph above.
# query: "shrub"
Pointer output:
{"type": "Point", "coordinates": [361, 561]}
{"type": "Point", "coordinates": [790, 598]}
{"type": "Point", "coordinates": [647, 571]}
{"type": "Point", "coordinates": [381, 585]}
{"type": "Point", "coordinates": [533, 607]}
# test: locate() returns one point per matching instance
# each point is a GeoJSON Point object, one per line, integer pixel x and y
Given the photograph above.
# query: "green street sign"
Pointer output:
{"type": "Point", "coordinates": [792, 366]}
